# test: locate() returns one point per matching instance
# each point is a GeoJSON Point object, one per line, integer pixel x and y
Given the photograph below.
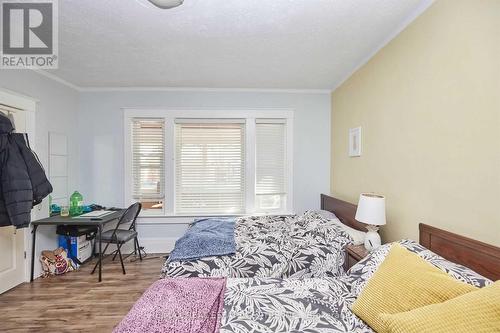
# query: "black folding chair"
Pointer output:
{"type": "Point", "coordinates": [121, 236]}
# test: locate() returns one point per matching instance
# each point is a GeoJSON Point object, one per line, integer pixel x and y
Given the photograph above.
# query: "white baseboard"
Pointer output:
{"type": "Point", "coordinates": [158, 245]}
{"type": "Point", "coordinates": [151, 245]}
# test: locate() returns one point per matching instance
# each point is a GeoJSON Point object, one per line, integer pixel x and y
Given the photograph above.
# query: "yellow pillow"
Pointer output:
{"type": "Point", "coordinates": [477, 312]}
{"type": "Point", "coordinates": [404, 282]}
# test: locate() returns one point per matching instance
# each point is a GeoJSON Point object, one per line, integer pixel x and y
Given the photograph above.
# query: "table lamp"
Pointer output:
{"type": "Point", "coordinates": [371, 211]}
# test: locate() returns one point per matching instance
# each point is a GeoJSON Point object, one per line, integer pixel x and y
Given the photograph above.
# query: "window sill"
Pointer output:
{"type": "Point", "coordinates": [187, 219]}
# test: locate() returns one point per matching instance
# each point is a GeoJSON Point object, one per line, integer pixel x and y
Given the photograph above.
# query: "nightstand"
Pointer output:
{"type": "Point", "coordinates": [354, 253]}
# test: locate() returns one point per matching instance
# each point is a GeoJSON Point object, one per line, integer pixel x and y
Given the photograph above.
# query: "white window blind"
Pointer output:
{"type": "Point", "coordinates": [270, 175]}
{"type": "Point", "coordinates": [210, 167]}
{"type": "Point", "coordinates": [148, 162]}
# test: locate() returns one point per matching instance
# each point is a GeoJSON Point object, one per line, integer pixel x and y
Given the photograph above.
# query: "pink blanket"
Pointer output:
{"type": "Point", "coordinates": [177, 305]}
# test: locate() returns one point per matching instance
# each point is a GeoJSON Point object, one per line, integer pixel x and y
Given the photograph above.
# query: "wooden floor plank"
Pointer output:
{"type": "Point", "coordinates": [76, 302]}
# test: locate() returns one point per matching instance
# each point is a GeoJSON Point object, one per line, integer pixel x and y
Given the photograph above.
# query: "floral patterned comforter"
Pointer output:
{"type": "Point", "coordinates": [298, 246]}
{"type": "Point", "coordinates": [313, 305]}
{"type": "Point", "coordinates": [316, 305]}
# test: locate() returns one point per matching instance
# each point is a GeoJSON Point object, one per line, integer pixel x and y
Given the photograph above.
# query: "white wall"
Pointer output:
{"type": "Point", "coordinates": [56, 111]}
{"type": "Point", "coordinates": [93, 122]}
{"type": "Point", "coordinates": [100, 123]}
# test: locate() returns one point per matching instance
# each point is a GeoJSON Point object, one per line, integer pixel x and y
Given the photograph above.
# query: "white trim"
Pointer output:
{"type": "Point", "coordinates": [290, 162]}
{"type": "Point", "coordinates": [30, 130]}
{"type": "Point", "coordinates": [206, 113]}
{"type": "Point", "coordinates": [188, 219]}
{"type": "Point", "coordinates": [208, 120]}
{"type": "Point", "coordinates": [180, 89]}
{"type": "Point", "coordinates": [18, 100]}
{"type": "Point", "coordinates": [152, 245]}
{"type": "Point", "coordinates": [57, 79]}
{"type": "Point", "coordinates": [206, 89]}
{"type": "Point", "coordinates": [175, 219]}
{"type": "Point", "coordinates": [9, 109]}
{"type": "Point", "coordinates": [170, 135]}
{"type": "Point", "coordinates": [250, 164]}
{"type": "Point", "coordinates": [422, 7]}
{"type": "Point", "coordinates": [127, 156]}
{"type": "Point", "coordinates": [270, 121]}
{"type": "Point", "coordinates": [29, 105]}
{"type": "Point", "coordinates": [158, 245]}
{"type": "Point", "coordinates": [169, 115]}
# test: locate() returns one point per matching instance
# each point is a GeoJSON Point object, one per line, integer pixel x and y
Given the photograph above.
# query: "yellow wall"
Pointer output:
{"type": "Point", "coordinates": [429, 107]}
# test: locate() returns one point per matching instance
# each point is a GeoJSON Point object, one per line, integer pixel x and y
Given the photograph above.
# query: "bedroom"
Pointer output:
{"type": "Point", "coordinates": [288, 80]}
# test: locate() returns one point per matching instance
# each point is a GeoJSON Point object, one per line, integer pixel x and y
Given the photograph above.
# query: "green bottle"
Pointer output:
{"type": "Point", "coordinates": [76, 204]}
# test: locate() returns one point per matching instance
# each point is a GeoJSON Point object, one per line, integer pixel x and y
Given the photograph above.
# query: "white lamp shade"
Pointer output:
{"type": "Point", "coordinates": [371, 209]}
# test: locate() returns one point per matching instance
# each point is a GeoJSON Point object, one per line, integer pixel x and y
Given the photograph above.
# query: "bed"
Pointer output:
{"type": "Point", "coordinates": [293, 246]}
{"type": "Point", "coordinates": [315, 305]}
{"type": "Point", "coordinates": [323, 304]}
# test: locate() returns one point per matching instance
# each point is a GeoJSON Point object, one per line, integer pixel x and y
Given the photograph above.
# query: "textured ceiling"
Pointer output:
{"type": "Point", "coordinates": [278, 44]}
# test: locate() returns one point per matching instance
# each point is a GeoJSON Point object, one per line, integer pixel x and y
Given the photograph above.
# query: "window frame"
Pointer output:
{"type": "Point", "coordinates": [131, 160]}
{"type": "Point", "coordinates": [170, 115]}
{"type": "Point", "coordinates": [279, 121]}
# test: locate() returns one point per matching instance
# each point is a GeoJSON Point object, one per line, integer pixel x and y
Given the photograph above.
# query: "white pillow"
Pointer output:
{"type": "Point", "coordinates": [357, 236]}
{"type": "Point", "coordinates": [326, 214]}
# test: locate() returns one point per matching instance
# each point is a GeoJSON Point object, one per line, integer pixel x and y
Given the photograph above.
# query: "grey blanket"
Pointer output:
{"type": "Point", "coordinates": [205, 238]}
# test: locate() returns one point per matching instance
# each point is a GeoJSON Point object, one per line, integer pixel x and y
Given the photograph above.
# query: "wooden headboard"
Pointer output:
{"type": "Point", "coordinates": [478, 256]}
{"type": "Point", "coordinates": [344, 210]}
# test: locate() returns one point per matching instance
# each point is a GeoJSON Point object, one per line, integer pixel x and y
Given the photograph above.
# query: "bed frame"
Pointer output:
{"type": "Point", "coordinates": [478, 256]}
{"type": "Point", "coordinates": [344, 210]}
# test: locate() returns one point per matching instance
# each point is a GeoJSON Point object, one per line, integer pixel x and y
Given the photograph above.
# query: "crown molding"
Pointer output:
{"type": "Point", "coordinates": [199, 89]}
{"type": "Point", "coordinates": [422, 7]}
{"type": "Point", "coordinates": [57, 79]}
{"type": "Point", "coordinates": [179, 89]}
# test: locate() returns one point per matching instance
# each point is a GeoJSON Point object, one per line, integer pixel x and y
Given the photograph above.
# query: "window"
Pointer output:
{"type": "Point", "coordinates": [181, 162]}
{"type": "Point", "coordinates": [270, 182]}
{"type": "Point", "coordinates": [210, 165]}
{"type": "Point", "coordinates": [148, 162]}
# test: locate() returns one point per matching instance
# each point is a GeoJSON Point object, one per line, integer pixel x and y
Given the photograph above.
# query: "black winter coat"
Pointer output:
{"type": "Point", "coordinates": [23, 183]}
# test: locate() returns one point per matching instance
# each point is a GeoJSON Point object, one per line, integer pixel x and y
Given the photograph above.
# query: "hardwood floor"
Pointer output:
{"type": "Point", "coordinates": [76, 302]}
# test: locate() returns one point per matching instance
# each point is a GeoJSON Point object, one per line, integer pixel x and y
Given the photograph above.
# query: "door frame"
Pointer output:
{"type": "Point", "coordinates": [29, 105]}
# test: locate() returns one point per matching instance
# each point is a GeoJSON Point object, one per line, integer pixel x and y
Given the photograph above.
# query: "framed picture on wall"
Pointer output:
{"type": "Point", "coordinates": [355, 142]}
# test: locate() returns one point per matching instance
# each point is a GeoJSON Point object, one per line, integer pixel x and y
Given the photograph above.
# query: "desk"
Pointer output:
{"type": "Point", "coordinates": [60, 220]}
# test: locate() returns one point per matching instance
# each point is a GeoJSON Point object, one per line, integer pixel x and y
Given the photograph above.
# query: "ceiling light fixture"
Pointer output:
{"type": "Point", "coordinates": [166, 4]}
